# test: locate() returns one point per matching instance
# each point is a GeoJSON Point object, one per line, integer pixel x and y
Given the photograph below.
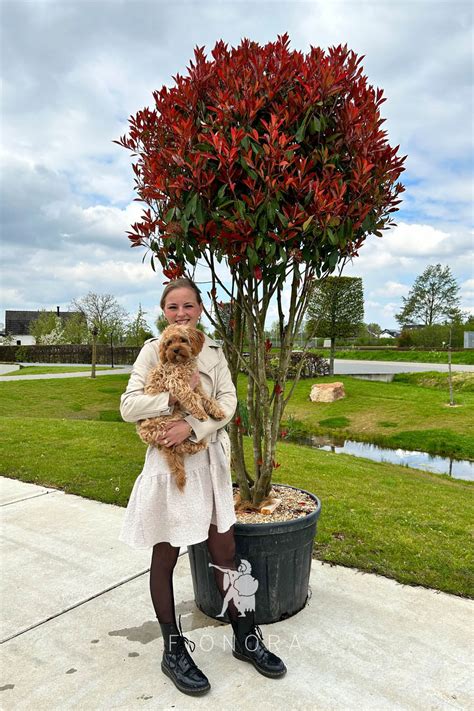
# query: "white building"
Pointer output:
{"type": "Point", "coordinates": [17, 325]}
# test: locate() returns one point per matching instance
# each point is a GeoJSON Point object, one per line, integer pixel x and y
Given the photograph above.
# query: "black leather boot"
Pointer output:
{"type": "Point", "coordinates": [178, 664]}
{"type": "Point", "coordinates": [249, 647]}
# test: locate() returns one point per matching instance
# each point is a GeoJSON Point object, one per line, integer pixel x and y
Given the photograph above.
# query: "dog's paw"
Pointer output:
{"type": "Point", "coordinates": [218, 415]}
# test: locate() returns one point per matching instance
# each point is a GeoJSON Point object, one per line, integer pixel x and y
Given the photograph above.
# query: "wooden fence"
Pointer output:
{"type": "Point", "coordinates": [119, 355]}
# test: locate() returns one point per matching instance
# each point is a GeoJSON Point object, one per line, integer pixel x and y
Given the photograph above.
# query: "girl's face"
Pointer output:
{"type": "Point", "coordinates": [181, 307]}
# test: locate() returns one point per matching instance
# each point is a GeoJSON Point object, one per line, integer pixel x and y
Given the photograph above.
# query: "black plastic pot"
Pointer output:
{"type": "Point", "coordinates": [280, 554]}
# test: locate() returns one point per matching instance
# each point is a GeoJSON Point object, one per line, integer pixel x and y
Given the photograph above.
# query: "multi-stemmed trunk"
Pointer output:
{"type": "Point", "coordinates": [265, 401]}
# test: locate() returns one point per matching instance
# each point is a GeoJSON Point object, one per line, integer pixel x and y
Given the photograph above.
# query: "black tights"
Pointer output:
{"type": "Point", "coordinates": [221, 548]}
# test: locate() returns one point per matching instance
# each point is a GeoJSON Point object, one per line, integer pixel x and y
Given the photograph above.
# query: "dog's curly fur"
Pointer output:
{"type": "Point", "coordinates": [178, 349]}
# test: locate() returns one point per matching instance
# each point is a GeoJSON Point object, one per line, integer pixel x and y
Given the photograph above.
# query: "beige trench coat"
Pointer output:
{"type": "Point", "coordinates": [156, 510]}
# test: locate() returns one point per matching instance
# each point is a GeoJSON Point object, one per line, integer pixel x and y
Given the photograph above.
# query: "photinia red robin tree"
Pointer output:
{"type": "Point", "coordinates": [274, 163]}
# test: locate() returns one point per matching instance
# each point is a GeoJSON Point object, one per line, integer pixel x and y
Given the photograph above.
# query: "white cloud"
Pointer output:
{"type": "Point", "coordinates": [393, 288]}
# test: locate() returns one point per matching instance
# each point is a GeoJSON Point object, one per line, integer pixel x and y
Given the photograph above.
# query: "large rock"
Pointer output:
{"type": "Point", "coordinates": [327, 392]}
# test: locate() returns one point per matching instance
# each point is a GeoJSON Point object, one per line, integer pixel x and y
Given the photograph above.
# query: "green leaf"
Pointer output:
{"type": "Point", "coordinates": [263, 224]}
{"type": "Point", "coordinates": [169, 215]}
{"type": "Point", "coordinates": [199, 214]}
{"type": "Point", "coordinates": [189, 254]}
{"type": "Point", "coordinates": [300, 133]}
{"type": "Point", "coordinates": [225, 203]}
{"type": "Point", "coordinates": [244, 164]}
{"type": "Point", "coordinates": [191, 205]}
{"type": "Point", "coordinates": [271, 210]}
{"type": "Point", "coordinates": [302, 128]}
{"type": "Point", "coordinates": [152, 260]}
{"type": "Point", "coordinates": [368, 224]}
{"type": "Point", "coordinates": [253, 257]}
{"type": "Point", "coordinates": [256, 147]}
{"type": "Point", "coordinates": [332, 236]}
{"type": "Point", "coordinates": [221, 191]}
{"type": "Point", "coordinates": [282, 218]}
{"type": "Point", "coordinates": [307, 223]}
{"type": "Point", "coordinates": [270, 248]}
{"type": "Point", "coordinates": [333, 259]}
{"type": "Point", "coordinates": [184, 224]}
{"type": "Point", "coordinates": [258, 242]}
{"type": "Point", "coordinates": [314, 125]}
{"type": "Point", "coordinates": [240, 207]}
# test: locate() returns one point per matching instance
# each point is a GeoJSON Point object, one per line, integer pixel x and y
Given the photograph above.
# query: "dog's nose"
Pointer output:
{"type": "Point", "coordinates": [175, 350]}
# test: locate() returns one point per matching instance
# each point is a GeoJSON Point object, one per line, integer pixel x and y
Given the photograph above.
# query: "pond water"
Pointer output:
{"type": "Point", "coordinates": [457, 468]}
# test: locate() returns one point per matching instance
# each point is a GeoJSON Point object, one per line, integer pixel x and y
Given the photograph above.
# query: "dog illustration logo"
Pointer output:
{"type": "Point", "coordinates": [240, 587]}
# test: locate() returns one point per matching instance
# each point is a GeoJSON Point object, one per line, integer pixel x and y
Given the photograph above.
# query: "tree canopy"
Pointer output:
{"type": "Point", "coordinates": [103, 312]}
{"type": "Point", "coordinates": [433, 298]}
{"type": "Point", "coordinates": [336, 309]}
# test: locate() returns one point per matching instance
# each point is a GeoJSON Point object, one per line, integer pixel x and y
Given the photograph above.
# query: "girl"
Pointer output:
{"type": "Point", "coordinates": [158, 515]}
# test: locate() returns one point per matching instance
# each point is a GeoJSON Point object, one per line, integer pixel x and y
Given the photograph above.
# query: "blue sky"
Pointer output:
{"type": "Point", "coordinates": [74, 71]}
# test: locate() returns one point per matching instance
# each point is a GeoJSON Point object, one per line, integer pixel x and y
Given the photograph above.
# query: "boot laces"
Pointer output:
{"type": "Point", "coordinates": [184, 640]}
{"type": "Point", "coordinates": [257, 632]}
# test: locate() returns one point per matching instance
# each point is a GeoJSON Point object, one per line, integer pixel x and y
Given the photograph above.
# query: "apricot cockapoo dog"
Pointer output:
{"type": "Point", "coordinates": [178, 349]}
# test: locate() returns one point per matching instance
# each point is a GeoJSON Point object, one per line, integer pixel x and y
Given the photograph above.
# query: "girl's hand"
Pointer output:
{"type": "Point", "coordinates": [176, 432]}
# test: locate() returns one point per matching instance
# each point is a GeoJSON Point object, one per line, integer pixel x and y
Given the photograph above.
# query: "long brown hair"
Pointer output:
{"type": "Point", "coordinates": [179, 284]}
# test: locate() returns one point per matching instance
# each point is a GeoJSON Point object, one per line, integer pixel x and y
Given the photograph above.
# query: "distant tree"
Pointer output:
{"type": "Point", "coordinates": [104, 312]}
{"type": "Point", "coordinates": [368, 334]}
{"type": "Point", "coordinates": [434, 298]}
{"type": "Point", "coordinates": [161, 323]}
{"type": "Point", "coordinates": [336, 310]}
{"type": "Point", "coordinates": [47, 328]}
{"type": "Point", "coordinates": [137, 330]}
{"type": "Point", "coordinates": [7, 339]}
{"type": "Point", "coordinates": [374, 329]}
{"type": "Point", "coordinates": [75, 329]}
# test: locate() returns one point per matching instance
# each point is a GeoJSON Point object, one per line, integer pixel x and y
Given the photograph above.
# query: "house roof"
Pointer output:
{"type": "Point", "coordinates": [18, 322]}
{"type": "Point", "coordinates": [391, 332]}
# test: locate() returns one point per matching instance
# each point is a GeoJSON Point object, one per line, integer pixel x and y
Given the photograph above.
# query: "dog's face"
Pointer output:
{"type": "Point", "coordinates": [180, 343]}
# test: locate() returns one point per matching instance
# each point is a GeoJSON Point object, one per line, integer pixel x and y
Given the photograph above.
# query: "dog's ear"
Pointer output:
{"type": "Point", "coordinates": [196, 338]}
{"type": "Point", "coordinates": [161, 346]}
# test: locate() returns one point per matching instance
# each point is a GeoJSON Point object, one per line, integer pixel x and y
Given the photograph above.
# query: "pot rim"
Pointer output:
{"type": "Point", "coordinates": [300, 522]}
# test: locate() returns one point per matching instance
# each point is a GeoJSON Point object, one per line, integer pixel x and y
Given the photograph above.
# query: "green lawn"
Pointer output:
{"type": "Point", "coordinates": [75, 398]}
{"type": "Point", "coordinates": [458, 357]}
{"type": "Point", "coordinates": [408, 525]}
{"type": "Point", "coordinates": [47, 369]}
{"type": "Point", "coordinates": [410, 413]}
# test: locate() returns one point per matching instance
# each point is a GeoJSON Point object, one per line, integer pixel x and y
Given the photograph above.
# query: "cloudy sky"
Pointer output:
{"type": "Point", "coordinates": [73, 71]}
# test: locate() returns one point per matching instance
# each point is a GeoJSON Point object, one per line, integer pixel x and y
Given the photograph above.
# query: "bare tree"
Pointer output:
{"type": "Point", "coordinates": [103, 312]}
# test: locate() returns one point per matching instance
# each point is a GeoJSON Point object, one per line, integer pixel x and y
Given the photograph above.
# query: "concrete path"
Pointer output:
{"type": "Point", "coordinates": [79, 631]}
{"type": "Point", "coordinates": [365, 367]}
{"type": "Point", "coordinates": [8, 368]}
{"type": "Point", "coordinates": [82, 374]}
